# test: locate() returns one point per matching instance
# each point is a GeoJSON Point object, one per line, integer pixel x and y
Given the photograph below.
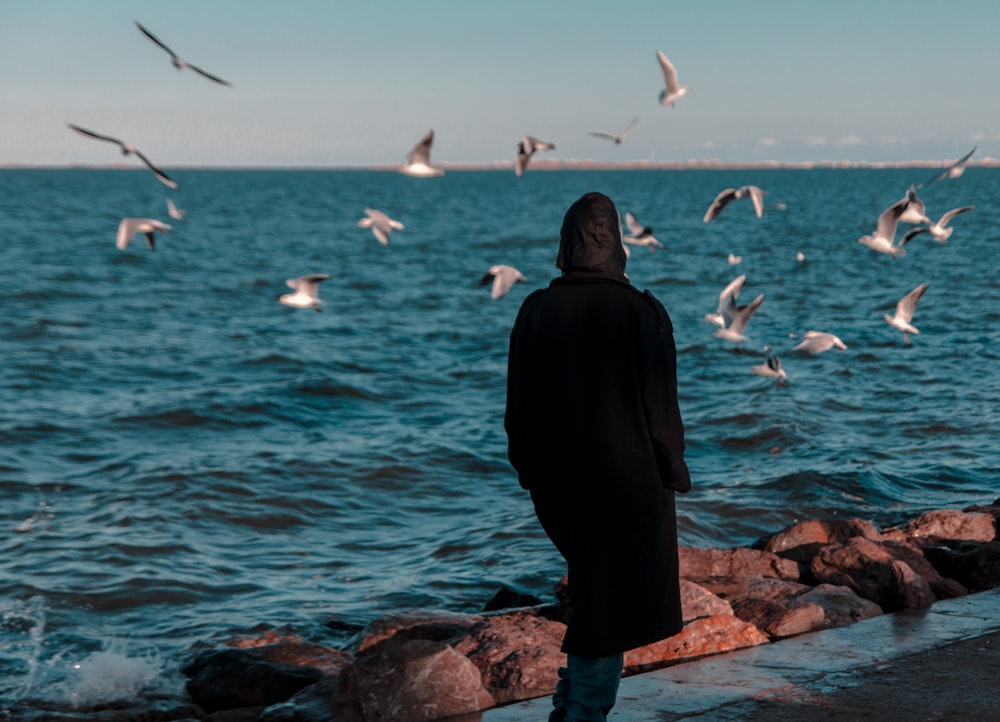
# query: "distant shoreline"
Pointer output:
{"type": "Point", "coordinates": [549, 165]}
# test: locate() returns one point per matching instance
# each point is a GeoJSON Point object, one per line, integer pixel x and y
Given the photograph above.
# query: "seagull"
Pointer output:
{"type": "Point", "coordinates": [734, 194]}
{"type": "Point", "coordinates": [173, 210]}
{"type": "Point", "coordinates": [800, 257]}
{"type": "Point", "coordinates": [148, 226]}
{"type": "Point", "coordinates": [418, 162]}
{"type": "Point", "coordinates": [771, 367]}
{"type": "Point", "coordinates": [503, 279]}
{"type": "Point", "coordinates": [904, 313]}
{"type": "Point", "coordinates": [525, 149]}
{"type": "Point", "coordinates": [673, 91]}
{"type": "Point", "coordinates": [727, 302]}
{"type": "Point", "coordinates": [734, 260]}
{"type": "Point", "coordinates": [885, 231]}
{"type": "Point", "coordinates": [952, 171]}
{"type": "Point", "coordinates": [178, 62]}
{"type": "Point", "coordinates": [940, 231]}
{"type": "Point", "coordinates": [640, 235]}
{"type": "Point", "coordinates": [914, 211]}
{"type": "Point", "coordinates": [380, 224]}
{"type": "Point", "coordinates": [818, 342]}
{"type": "Point", "coordinates": [738, 321]}
{"type": "Point", "coordinates": [306, 291]}
{"type": "Point", "coordinates": [616, 139]}
{"type": "Point", "coordinates": [128, 149]}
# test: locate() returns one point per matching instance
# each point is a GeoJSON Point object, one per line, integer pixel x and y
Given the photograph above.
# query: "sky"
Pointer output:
{"type": "Point", "coordinates": [331, 83]}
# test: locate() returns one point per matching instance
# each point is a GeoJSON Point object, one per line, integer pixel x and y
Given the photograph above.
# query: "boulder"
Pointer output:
{"type": "Point", "coordinates": [509, 598]}
{"type": "Point", "coordinates": [314, 703]}
{"type": "Point", "coordinates": [948, 524]}
{"type": "Point", "coordinates": [701, 565]}
{"type": "Point", "coordinates": [697, 602]}
{"type": "Point", "coordinates": [700, 638]}
{"type": "Point", "coordinates": [409, 680]}
{"type": "Point", "coordinates": [975, 566]}
{"type": "Point", "coordinates": [231, 678]}
{"type": "Point", "coordinates": [841, 605]}
{"type": "Point", "coordinates": [518, 654]}
{"type": "Point", "coordinates": [434, 625]}
{"type": "Point", "coordinates": [869, 569]}
{"type": "Point", "coordinates": [802, 540]}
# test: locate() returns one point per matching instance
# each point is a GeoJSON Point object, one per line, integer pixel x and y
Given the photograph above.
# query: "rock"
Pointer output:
{"type": "Point", "coordinates": [697, 602]}
{"type": "Point", "coordinates": [869, 569]}
{"type": "Point", "coordinates": [440, 626]}
{"type": "Point", "coordinates": [509, 598]}
{"type": "Point", "coordinates": [948, 524]}
{"type": "Point", "coordinates": [518, 654]}
{"type": "Point", "coordinates": [942, 587]}
{"type": "Point", "coordinates": [779, 620]}
{"type": "Point", "coordinates": [409, 680]}
{"type": "Point", "coordinates": [700, 638]}
{"type": "Point", "coordinates": [294, 652]}
{"type": "Point", "coordinates": [701, 565]}
{"type": "Point", "coordinates": [973, 565]}
{"type": "Point", "coordinates": [231, 678]}
{"type": "Point", "coordinates": [801, 541]}
{"type": "Point", "coordinates": [841, 605]}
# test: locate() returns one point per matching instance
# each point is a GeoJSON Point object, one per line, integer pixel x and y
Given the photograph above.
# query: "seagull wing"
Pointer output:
{"type": "Point", "coordinates": [947, 170]}
{"type": "Point", "coordinates": [421, 152]}
{"type": "Point", "coordinates": [721, 201]}
{"type": "Point", "coordinates": [634, 227]}
{"type": "Point", "coordinates": [887, 220]}
{"type": "Point", "coordinates": [757, 196]}
{"type": "Point", "coordinates": [126, 229]}
{"type": "Point", "coordinates": [98, 136]}
{"type": "Point", "coordinates": [156, 40]}
{"type": "Point", "coordinates": [628, 127]}
{"type": "Point", "coordinates": [208, 75]}
{"type": "Point", "coordinates": [911, 233]}
{"type": "Point", "coordinates": [908, 303]}
{"type": "Point", "coordinates": [946, 218]}
{"type": "Point", "coordinates": [164, 178]}
{"type": "Point", "coordinates": [743, 313]}
{"type": "Point", "coordinates": [669, 72]}
{"type": "Point", "coordinates": [309, 284]}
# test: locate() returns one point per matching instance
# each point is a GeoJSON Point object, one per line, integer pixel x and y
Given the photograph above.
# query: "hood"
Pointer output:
{"type": "Point", "coordinates": [591, 239]}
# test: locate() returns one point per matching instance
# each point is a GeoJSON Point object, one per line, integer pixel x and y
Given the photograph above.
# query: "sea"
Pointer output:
{"type": "Point", "coordinates": [183, 459]}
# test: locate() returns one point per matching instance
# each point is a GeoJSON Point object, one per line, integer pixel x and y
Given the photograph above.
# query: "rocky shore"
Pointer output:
{"type": "Point", "coordinates": [432, 664]}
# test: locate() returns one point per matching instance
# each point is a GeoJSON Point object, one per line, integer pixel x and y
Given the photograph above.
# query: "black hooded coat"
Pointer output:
{"type": "Point", "coordinates": [595, 433]}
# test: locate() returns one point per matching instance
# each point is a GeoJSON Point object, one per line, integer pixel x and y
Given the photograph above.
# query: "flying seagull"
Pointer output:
{"type": "Point", "coordinates": [734, 194]}
{"type": "Point", "coordinates": [418, 162]}
{"type": "Point", "coordinates": [885, 231]}
{"type": "Point", "coordinates": [673, 91]}
{"type": "Point", "coordinates": [128, 149]}
{"type": "Point", "coordinates": [503, 279]}
{"type": "Point", "coordinates": [818, 342]}
{"type": "Point", "coordinates": [306, 291]}
{"type": "Point", "coordinates": [148, 226]}
{"type": "Point", "coordinates": [616, 139]}
{"type": "Point", "coordinates": [640, 235]}
{"type": "Point", "coordinates": [904, 313]}
{"type": "Point", "coordinates": [179, 62]}
{"type": "Point", "coordinates": [952, 171]}
{"type": "Point", "coordinates": [525, 149]}
{"type": "Point", "coordinates": [940, 231]}
{"type": "Point", "coordinates": [771, 367]}
{"type": "Point", "coordinates": [738, 320]}
{"type": "Point", "coordinates": [727, 302]}
{"type": "Point", "coordinates": [382, 226]}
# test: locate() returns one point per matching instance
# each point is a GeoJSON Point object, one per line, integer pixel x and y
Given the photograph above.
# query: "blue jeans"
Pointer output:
{"type": "Point", "coordinates": [587, 688]}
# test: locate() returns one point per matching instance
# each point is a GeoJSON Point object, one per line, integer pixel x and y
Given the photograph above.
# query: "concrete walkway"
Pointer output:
{"type": "Point", "coordinates": [938, 664]}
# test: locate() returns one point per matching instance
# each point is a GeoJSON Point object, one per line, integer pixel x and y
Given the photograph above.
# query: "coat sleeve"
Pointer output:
{"type": "Point", "coordinates": [663, 414]}
{"type": "Point", "coordinates": [518, 417]}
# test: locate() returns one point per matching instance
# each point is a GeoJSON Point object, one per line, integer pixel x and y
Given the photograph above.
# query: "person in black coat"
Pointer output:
{"type": "Point", "coordinates": [595, 434]}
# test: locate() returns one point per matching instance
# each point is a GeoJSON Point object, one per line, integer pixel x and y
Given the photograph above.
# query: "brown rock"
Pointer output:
{"type": "Point", "coordinates": [311, 704]}
{"type": "Point", "coordinates": [942, 587]}
{"type": "Point", "coordinates": [949, 524]}
{"type": "Point", "coordinates": [801, 541]}
{"type": "Point", "coordinates": [778, 620]}
{"type": "Point", "coordinates": [697, 602]}
{"type": "Point", "coordinates": [433, 625]}
{"type": "Point", "coordinates": [702, 637]}
{"type": "Point", "coordinates": [413, 680]}
{"type": "Point", "coordinates": [700, 565]}
{"type": "Point", "coordinates": [975, 566]}
{"type": "Point", "coordinates": [517, 653]}
{"type": "Point", "coordinates": [870, 570]}
{"type": "Point", "coordinates": [841, 605]}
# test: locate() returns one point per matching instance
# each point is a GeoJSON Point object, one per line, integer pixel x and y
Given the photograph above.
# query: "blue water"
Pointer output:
{"type": "Point", "coordinates": [182, 458]}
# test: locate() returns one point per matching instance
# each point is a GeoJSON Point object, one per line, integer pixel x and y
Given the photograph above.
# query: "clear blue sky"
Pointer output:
{"type": "Point", "coordinates": [336, 83]}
